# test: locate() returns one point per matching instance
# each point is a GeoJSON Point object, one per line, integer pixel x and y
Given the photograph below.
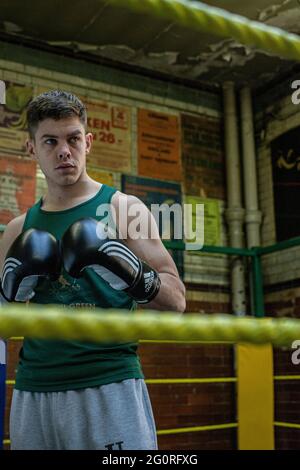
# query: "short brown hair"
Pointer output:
{"type": "Point", "coordinates": [54, 104]}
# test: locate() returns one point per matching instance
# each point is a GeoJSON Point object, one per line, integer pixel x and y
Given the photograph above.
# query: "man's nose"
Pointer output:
{"type": "Point", "coordinates": [64, 151]}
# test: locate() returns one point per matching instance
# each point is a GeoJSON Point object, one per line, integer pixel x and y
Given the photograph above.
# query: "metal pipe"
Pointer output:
{"type": "Point", "coordinates": [253, 215]}
{"type": "Point", "coordinates": [235, 212]}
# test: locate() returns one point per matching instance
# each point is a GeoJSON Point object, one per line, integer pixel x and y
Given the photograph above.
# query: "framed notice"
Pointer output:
{"type": "Point", "coordinates": [17, 186]}
{"type": "Point", "coordinates": [13, 126]}
{"type": "Point", "coordinates": [110, 125]}
{"type": "Point", "coordinates": [159, 154]}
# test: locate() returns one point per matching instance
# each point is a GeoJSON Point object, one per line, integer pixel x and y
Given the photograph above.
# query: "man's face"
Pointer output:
{"type": "Point", "coordinates": [60, 147]}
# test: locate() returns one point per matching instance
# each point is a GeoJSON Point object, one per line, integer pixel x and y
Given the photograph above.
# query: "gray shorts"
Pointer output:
{"type": "Point", "coordinates": [116, 416]}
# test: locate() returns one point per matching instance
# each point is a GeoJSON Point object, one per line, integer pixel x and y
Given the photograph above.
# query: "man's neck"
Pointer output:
{"type": "Point", "coordinates": [65, 197]}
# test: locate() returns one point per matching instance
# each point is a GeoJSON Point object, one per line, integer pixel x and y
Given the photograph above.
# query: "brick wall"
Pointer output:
{"type": "Point", "coordinates": [189, 405]}
{"type": "Point", "coordinates": [285, 302]}
{"type": "Point", "coordinates": [287, 396]}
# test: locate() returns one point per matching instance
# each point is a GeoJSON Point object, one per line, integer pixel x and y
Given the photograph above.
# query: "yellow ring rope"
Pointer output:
{"type": "Point", "coordinates": [120, 325]}
{"type": "Point", "coordinates": [205, 380]}
{"type": "Point", "coordinates": [200, 17]}
{"type": "Point", "coordinates": [287, 425]}
{"type": "Point", "coordinates": [217, 380]}
{"type": "Point", "coordinates": [203, 428]}
{"type": "Point", "coordinates": [210, 427]}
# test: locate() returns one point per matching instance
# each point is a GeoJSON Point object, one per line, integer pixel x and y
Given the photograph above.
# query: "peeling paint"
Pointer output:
{"type": "Point", "coordinates": [288, 20]}
{"type": "Point", "coordinates": [10, 27]}
{"type": "Point", "coordinates": [272, 10]}
{"type": "Point", "coordinates": [224, 53]}
{"type": "Point", "coordinates": [166, 58]}
{"type": "Point", "coordinates": [119, 52]}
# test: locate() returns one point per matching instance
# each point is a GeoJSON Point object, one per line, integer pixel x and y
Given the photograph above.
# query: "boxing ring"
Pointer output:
{"type": "Point", "coordinates": [53, 322]}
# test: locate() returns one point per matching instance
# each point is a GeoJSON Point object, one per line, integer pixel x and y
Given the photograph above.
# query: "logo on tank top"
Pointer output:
{"type": "Point", "coordinates": [113, 444]}
{"type": "Point", "coordinates": [64, 284]}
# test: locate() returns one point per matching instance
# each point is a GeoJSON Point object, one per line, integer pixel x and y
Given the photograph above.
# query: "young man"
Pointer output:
{"type": "Point", "coordinates": [76, 395]}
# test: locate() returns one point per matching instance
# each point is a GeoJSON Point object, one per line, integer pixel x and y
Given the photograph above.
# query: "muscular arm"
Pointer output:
{"type": "Point", "coordinates": [150, 248]}
{"type": "Point", "coordinates": [171, 295]}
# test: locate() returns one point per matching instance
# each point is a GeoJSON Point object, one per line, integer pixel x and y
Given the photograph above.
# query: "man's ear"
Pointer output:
{"type": "Point", "coordinates": [88, 140]}
{"type": "Point", "coordinates": [30, 147]}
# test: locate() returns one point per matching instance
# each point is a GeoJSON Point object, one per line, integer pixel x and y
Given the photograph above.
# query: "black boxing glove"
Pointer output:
{"type": "Point", "coordinates": [85, 244]}
{"type": "Point", "coordinates": [3, 300]}
{"type": "Point", "coordinates": [33, 254]}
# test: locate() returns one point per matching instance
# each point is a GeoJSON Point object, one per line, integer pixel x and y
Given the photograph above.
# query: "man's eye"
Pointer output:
{"type": "Point", "coordinates": [74, 139]}
{"type": "Point", "coordinates": [50, 141]}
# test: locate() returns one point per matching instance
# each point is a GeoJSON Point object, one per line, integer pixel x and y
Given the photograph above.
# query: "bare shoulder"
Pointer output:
{"type": "Point", "coordinates": [120, 198]}
{"type": "Point", "coordinates": [129, 205]}
{"type": "Point", "coordinates": [133, 218]}
{"type": "Point", "coordinates": [12, 230]}
{"type": "Point", "coordinates": [14, 227]}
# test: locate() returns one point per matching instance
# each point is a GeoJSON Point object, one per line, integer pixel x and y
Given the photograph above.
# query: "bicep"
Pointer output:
{"type": "Point", "coordinates": [142, 235]}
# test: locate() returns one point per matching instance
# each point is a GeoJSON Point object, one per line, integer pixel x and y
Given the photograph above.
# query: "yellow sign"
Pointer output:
{"type": "Point", "coordinates": [212, 220]}
{"type": "Point", "coordinates": [101, 176]}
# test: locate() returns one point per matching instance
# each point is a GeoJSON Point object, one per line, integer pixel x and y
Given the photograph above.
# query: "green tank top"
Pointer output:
{"type": "Point", "coordinates": [46, 365]}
